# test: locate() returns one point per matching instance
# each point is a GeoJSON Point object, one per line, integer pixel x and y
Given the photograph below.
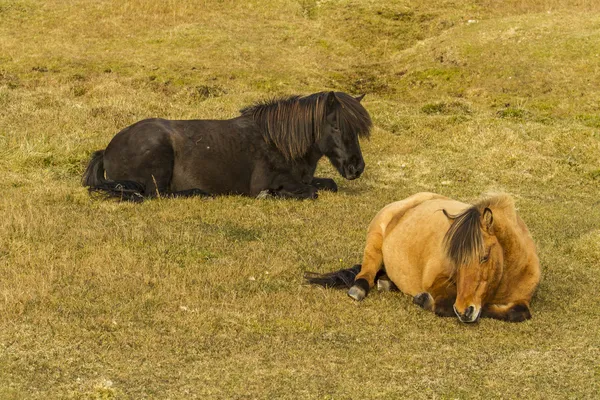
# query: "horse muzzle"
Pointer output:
{"type": "Point", "coordinates": [353, 171]}
{"type": "Point", "coordinates": [471, 314]}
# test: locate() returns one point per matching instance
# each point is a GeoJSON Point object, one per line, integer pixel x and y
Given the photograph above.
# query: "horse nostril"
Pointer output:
{"type": "Point", "coordinates": [359, 170]}
{"type": "Point", "coordinates": [469, 312]}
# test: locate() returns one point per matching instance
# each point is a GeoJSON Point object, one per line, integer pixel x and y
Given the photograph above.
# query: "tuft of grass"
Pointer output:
{"type": "Point", "coordinates": [514, 113]}
{"type": "Point", "coordinates": [595, 174]}
{"type": "Point", "coordinates": [593, 121]}
{"type": "Point", "coordinates": [453, 107]}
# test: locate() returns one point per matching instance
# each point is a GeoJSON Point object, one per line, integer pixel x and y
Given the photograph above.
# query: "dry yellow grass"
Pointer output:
{"type": "Point", "coordinates": [189, 298]}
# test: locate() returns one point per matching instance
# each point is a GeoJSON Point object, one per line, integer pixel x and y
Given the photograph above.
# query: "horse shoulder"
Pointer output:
{"type": "Point", "coordinates": [522, 270]}
{"type": "Point", "coordinates": [530, 260]}
{"type": "Point", "coordinates": [531, 271]}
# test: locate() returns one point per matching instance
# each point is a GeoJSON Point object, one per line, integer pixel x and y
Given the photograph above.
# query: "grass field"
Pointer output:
{"type": "Point", "coordinates": [189, 298]}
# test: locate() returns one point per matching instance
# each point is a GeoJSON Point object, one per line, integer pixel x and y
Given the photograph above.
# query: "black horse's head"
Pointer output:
{"type": "Point", "coordinates": [324, 123]}
{"type": "Point", "coordinates": [345, 120]}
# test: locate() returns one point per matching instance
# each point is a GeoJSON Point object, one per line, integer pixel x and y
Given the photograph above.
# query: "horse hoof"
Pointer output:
{"type": "Point", "coordinates": [359, 290]}
{"type": "Point", "coordinates": [385, 285]}
{"type": "Point", "coordinates": [423, 300]}
{"type": "Point", "coordinates": [265, 194]}
{"type": "Point", "coordinates": [357, 293]}
{"type": "Point", "coordinates": [518, 313]}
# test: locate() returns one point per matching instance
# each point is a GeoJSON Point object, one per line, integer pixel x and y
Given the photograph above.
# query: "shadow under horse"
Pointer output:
{"type": "Point", "coordinates": [272, 148]}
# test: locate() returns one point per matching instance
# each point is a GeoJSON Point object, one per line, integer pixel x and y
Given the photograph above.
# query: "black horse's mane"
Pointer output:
{"type": "Point", "coordinates": [293, 124]}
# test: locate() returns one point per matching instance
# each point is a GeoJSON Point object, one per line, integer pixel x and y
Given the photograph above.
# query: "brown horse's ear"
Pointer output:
{"type": "Point", "coordinates": [359, 98]}
{"type": "Point", "coordinates": [487, 220]}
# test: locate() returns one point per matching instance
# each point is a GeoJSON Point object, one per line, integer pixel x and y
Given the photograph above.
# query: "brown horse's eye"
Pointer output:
{"type": "Point", "coordinates": [484, 259]}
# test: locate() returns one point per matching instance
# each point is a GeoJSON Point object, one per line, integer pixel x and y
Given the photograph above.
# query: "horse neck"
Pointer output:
{"type": "Point", "coordinates": [294, 138]}
{"type": "Point", "coordinates": [307, 165]}
{"type": "Point", "coordinates": [313, 156]}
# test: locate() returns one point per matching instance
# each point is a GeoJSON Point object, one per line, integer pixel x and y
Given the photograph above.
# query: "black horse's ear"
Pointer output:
{"type": "Point", "coordinates": [359, 98]}
{"type": "Point", "coordinates": [487, 220]}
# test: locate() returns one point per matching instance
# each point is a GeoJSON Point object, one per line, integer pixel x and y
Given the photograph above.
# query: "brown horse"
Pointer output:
{"type": "Point", "coordinates": [454, 258]}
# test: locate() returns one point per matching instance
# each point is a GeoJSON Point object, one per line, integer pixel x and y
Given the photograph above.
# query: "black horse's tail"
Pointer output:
{"type": "Point", "coordinates": [343, 278]}
{"type": "Point", "coordinates": [93, 179]}
{"type": "Point", "coordinates": [94, 173]}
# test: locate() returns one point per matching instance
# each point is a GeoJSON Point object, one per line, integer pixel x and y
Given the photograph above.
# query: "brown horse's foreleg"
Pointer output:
{"type": "Point", "coordinates": [384, 283]}
{"type": "Point", "coordinates": [439, 297]}
{"type": "Point", "coordinates": [512, 312]}
{"type": "Point", "coordinates": [372, 260]}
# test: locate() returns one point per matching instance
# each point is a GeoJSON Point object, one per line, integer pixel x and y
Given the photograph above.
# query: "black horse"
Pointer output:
{"type": "Point", "coordinates": [272, 148]}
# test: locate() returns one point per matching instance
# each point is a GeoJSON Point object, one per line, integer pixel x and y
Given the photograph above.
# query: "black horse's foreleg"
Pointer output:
{"type": "Point", "coordinates": [300, 192]}
{"type": "Point", "coordinates": [324, 184]}
{"type": "Point", "coordinates": [287, 187]}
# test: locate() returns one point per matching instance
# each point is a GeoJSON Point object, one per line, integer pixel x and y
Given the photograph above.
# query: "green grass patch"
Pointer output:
{"type": "Point", "coordinates": [514, 113]}
{"type": "Point", "coordinates": [445, 108]}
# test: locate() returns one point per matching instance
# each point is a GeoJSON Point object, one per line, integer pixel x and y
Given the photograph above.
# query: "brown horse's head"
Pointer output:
{"type": "Point", "coordinates": [477, 255]}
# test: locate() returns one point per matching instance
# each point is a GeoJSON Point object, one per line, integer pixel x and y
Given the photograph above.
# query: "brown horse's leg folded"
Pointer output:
{"type": "Point", "coordinates": [442, 307]}
{"type": "Point", "coordinates": [384, 283]}
{"type": "Point", "coordinates": [512, 312]}
{"type": "Point", "coordinates": [439, 297]}
{"type": "Point", "coordinates": [372, 260]}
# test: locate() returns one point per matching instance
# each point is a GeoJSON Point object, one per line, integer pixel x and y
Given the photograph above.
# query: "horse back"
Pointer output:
{"type": "Point", "coordinates": [218, 156]}
{"type": "Point", "coordinates": [412, 239]}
